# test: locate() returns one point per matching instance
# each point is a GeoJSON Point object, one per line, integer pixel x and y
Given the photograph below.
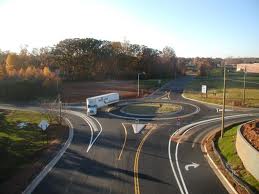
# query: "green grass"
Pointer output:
{"type": "Point", "coordinates": [19, 146]}
{"type": "Point", "coordinates": [227, 148]}
{"type": "Point", "coordinates": [152, 108]}
{"type": "Point", "coordinates": [152, 83]}
{"type": "Point", "coordinates": [25, 116]}
{"type": "Point", "coordinates": [234, 89]}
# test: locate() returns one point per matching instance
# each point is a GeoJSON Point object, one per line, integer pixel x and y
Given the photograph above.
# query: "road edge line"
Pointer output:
{"type": "Point", "coordinates": [171, 163]}
{"type": "Point", "coordinates": [36, 181]}
{"type": "Point", "coordinates": [218, 170]}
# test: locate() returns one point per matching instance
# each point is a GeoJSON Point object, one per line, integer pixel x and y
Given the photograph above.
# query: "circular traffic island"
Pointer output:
{"type": "Point", "coordinates": [151, 109]}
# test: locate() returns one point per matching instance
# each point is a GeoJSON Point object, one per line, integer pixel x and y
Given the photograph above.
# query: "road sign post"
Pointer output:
{"type": "Point", "coordinates": [204, 90]}
{"type": "Point", "coordinates": [178, 122]}
{"type": "Point", "coordinates": [44, 125]}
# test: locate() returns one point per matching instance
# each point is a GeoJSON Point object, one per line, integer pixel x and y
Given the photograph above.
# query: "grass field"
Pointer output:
{"type": "Point", "coordinates": [152, 108]}
{"type": "Point", "coordinates": [19, 146]}
{"type": "Point", "coordinates": [228, 150]}
{"type": "Point", "coordinates": [234, 88]}
{"type": "Point", "coordinates": [152, 83]}
{"type": "Point", "coordinates": [79, 91]}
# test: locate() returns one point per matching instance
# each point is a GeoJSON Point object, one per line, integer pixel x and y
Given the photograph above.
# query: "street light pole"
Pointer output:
{"type": "Point", "coordinates": [224, 99]}
{"type": "Point", "coordinates": [138, 80]}
{"type": "Point", "coordinates": [244, 88]}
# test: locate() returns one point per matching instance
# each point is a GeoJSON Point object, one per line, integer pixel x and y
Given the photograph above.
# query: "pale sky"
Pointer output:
{"type": "Point", "coordinates": [193, 28]}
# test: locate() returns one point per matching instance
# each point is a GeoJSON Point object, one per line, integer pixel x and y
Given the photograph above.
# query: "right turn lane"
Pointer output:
{"type": "Point", "coordinates": [189, 163]}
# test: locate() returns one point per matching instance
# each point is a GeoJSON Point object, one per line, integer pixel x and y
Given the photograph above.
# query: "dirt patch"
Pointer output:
{"type": "Point", "coordinates": [57, 135]}
{"type": "Point", "coordinates": [251, 133]}
{"type": "Point", "coordinates": [79, 91]}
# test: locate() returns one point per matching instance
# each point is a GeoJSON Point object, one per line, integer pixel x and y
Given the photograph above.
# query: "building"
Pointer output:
{"type": "Point", "coordinates": [250, 67]}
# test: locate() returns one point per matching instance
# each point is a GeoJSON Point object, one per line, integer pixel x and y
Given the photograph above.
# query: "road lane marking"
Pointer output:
{"type": "Point", "coordinates": [177, 163]}
{"type": "Point", "coordinates": [125, 139]}
{"type": "Point", "coordinates": [185, 129]}
{"type": "Point", "coordinates": [36, 181]}
{"type": "Point", "coordinates": [101, 129]}
{"type": "Point", "coordinates": [171, 163]}
{"type": "Point", "coordinates": [82, 116]}
{"type": "Point", "coordinates": [197, 110]}
{"type": "Point", "coordinates": [193, 164]}
{"type": "Point", "coordinates": [136, 179]}
{"type": "Point", "coordinates": [92, 125]}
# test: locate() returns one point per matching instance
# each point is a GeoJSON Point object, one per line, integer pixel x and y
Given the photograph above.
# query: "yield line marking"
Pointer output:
{"type": "Point", "coordinates": [125, 139]}
{"type": "Point", "coordinates": [136, 179]}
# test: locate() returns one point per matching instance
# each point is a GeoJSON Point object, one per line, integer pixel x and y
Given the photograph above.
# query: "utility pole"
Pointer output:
{"type": "Point", "coordinates": [224, 99]}
{"type": "Point", "coordinates": [244, 88]}
{"type": "Point", "coordinates": [60, 108]}
{"type": "Point", "coordinates": [138, 84]}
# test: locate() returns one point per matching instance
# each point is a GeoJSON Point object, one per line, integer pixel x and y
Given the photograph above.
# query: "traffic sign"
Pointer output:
{"type": "Point", "coordinates": [43, 125]}
{"type": "Point", "coordinates": [204, 89]}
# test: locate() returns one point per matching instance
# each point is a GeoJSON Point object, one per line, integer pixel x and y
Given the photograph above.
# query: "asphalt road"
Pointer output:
{"type": "Point", "coordinates": [120, 161]}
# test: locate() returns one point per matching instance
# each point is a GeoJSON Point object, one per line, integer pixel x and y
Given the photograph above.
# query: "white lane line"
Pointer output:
{"type": "Point", "coordinates": [177, 163]}
{"type": "Point", "coordinates": [185, 129]}
{"type": "Point", "coordinates": [92, 125]}
{"type": "Point", "coordinates": [125, 139]}
{"type": "Point", "coordinates": [197, 110]}
{"type": "Point", "coordinates": [171, 163]}
{"type": "Point", "coordinates": [82, 116]}
{"type": "Point", "coordinates": [101, 129]}
{"type": "Point", "coordinates": [36, 181]}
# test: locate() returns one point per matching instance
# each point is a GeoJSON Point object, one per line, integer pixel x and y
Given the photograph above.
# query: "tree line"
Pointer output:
{"type": "Point", "coordinates": [92, 59]}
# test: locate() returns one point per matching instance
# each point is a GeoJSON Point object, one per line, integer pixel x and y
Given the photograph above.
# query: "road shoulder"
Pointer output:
{"type": "Point", "coordinates": [215, 161]}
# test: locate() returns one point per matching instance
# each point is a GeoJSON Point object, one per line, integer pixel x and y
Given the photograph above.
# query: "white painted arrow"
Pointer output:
{"type": "Point", "coordinates": [191, 165]}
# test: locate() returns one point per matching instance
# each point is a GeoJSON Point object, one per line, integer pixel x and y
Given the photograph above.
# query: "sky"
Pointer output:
{"type": "Point", "coordinates": [204, 28]}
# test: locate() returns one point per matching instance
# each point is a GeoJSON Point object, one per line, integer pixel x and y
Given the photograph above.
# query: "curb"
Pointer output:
{"type": "Point", "coordinates": [215, 167]}
{"type": "Point", "coordinates": [151, 115]}
{"type": "Point", "coordinates": [218, 171]}
{"type": "Point", "coordinates": [36, 181]}
{"type": "Point", "coordinates": [159, 119]}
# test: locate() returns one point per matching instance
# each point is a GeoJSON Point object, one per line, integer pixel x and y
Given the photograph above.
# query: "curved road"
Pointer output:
{"type": "Point", "coordinates": [110, 158]}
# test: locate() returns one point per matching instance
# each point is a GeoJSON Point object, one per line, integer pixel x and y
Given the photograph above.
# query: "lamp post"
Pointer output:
{"type": "Point", "coordinates": [138, 80]}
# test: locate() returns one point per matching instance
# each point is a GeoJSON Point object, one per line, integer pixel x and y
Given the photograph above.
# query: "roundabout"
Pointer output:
{"type": "Point", "coordinates": [154, 110]}
{"type": "Point", "coordinates": [151, 109]}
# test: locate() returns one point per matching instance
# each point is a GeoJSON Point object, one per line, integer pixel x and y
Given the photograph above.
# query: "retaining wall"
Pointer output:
{"type": "Point", "coordinates": [247, 153]}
